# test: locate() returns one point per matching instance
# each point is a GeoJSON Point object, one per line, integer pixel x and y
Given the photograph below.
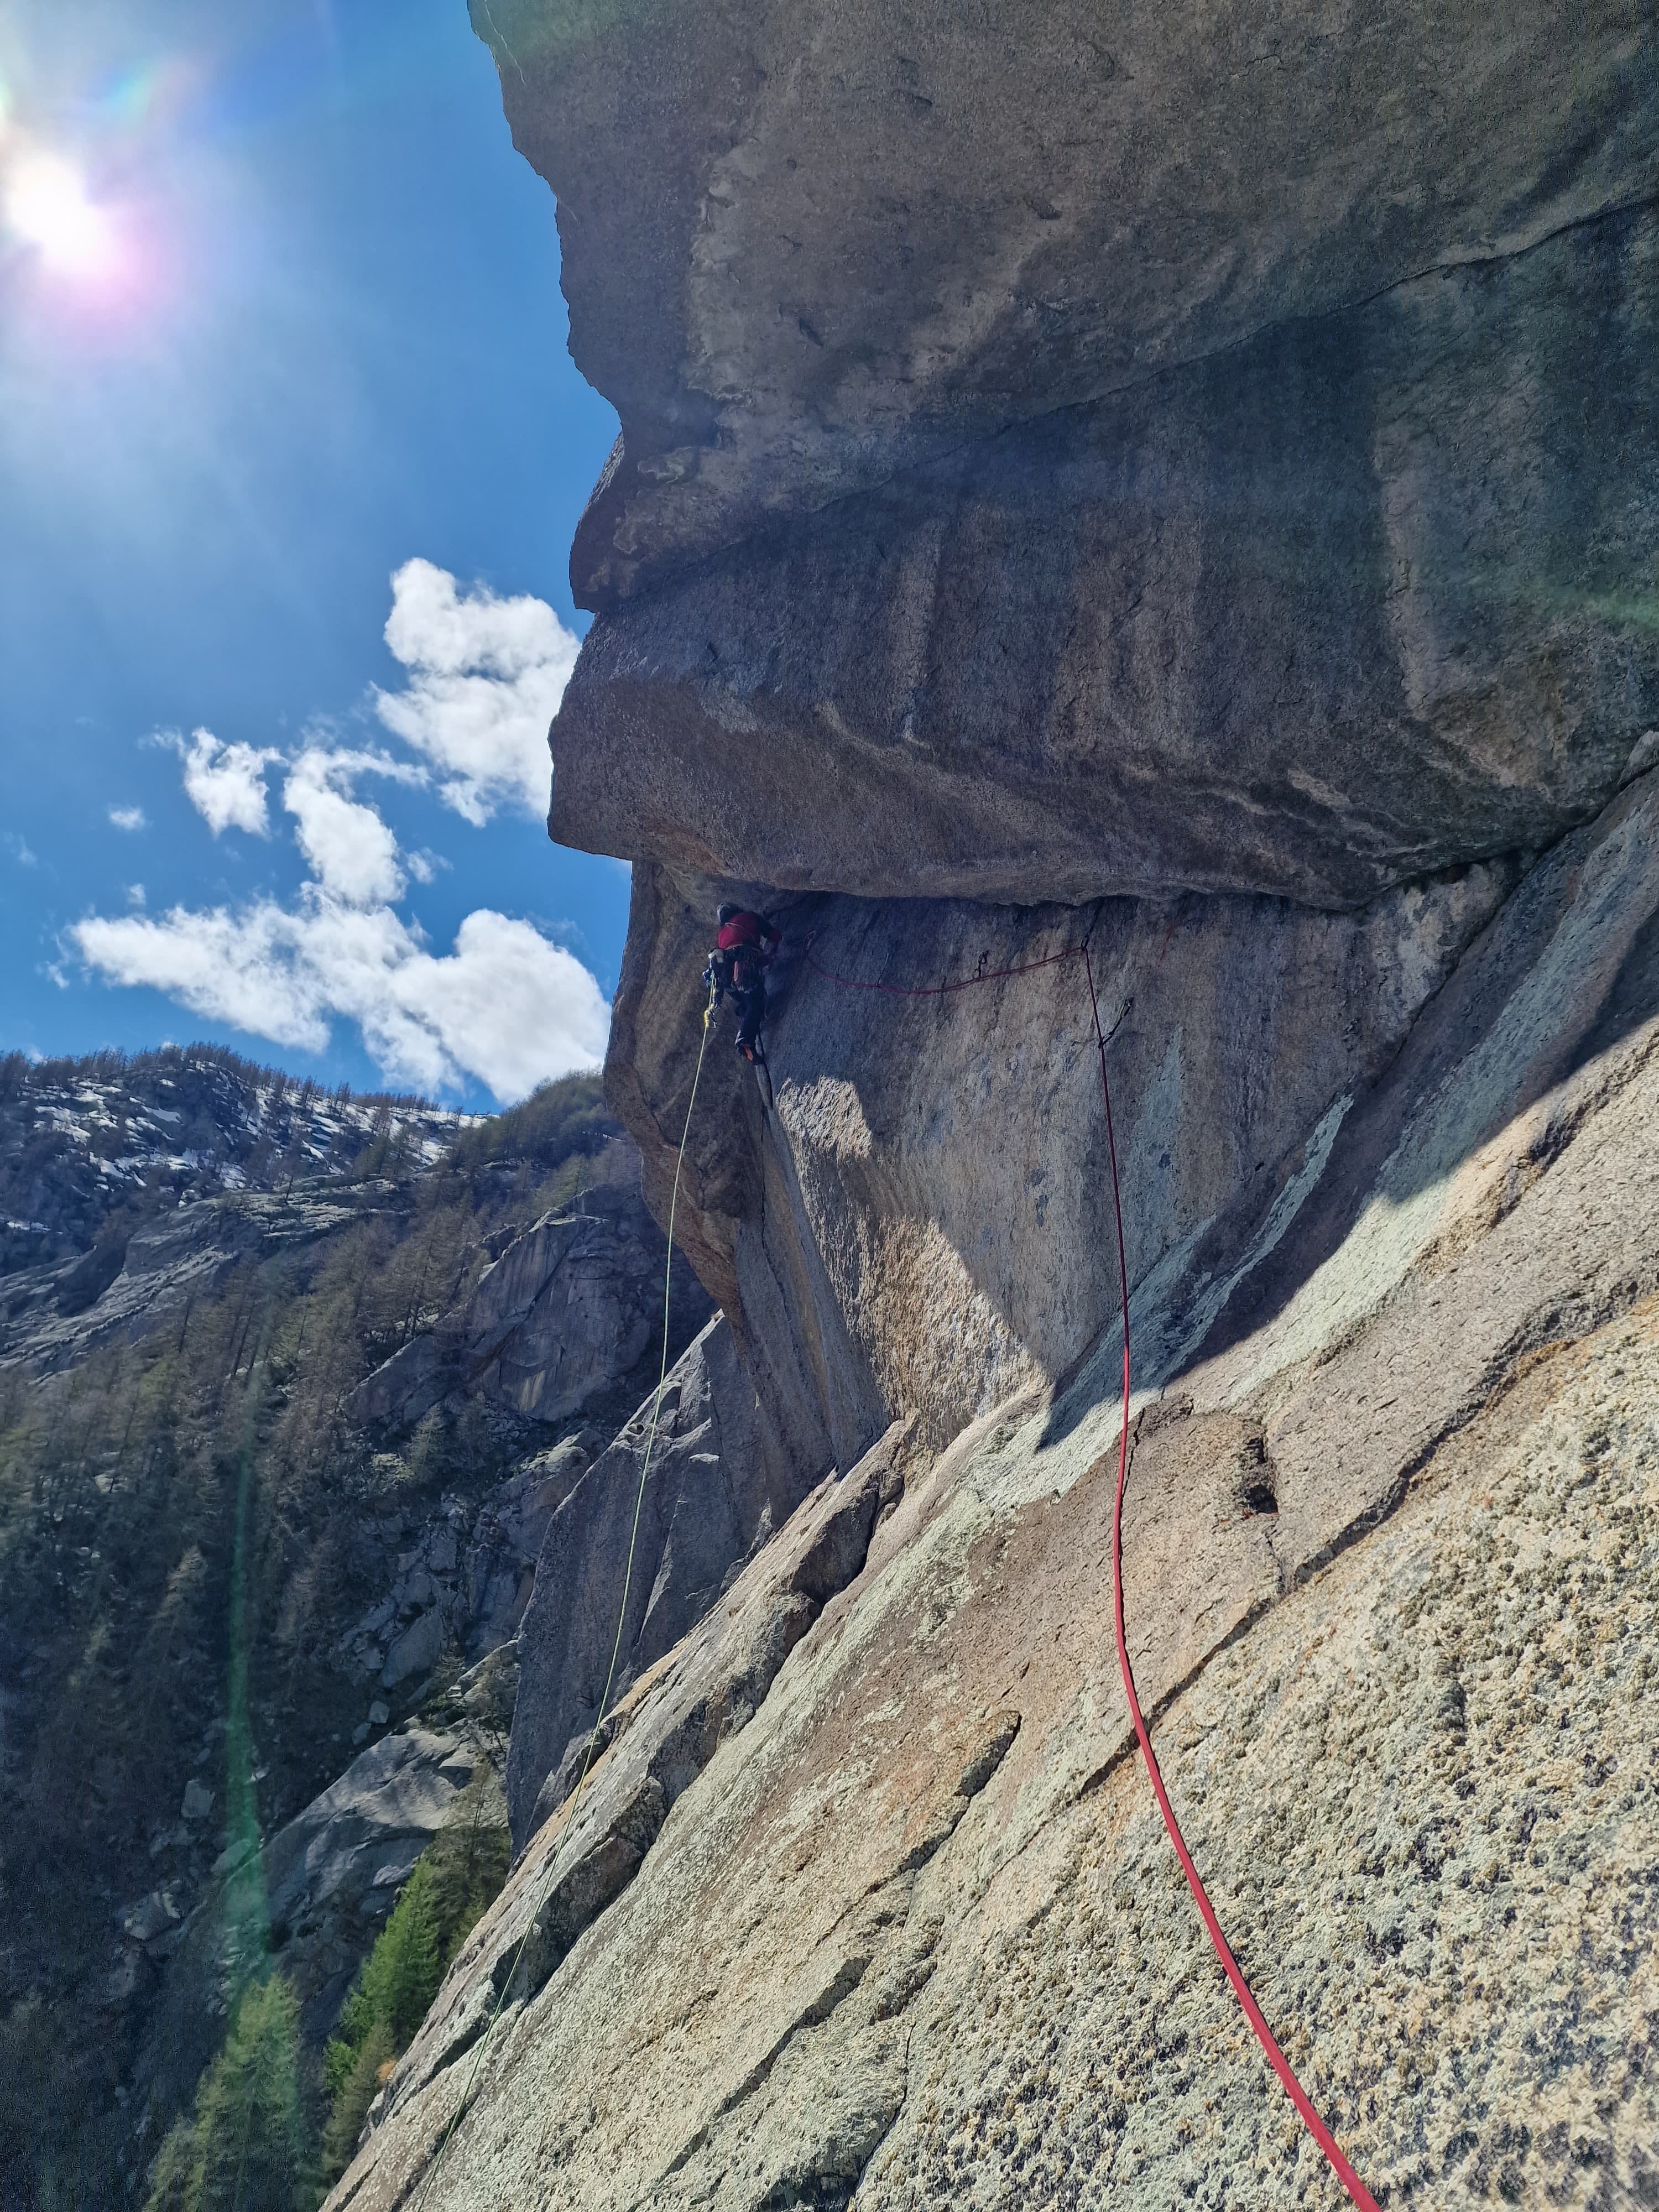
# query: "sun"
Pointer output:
{"type": "Point", "coordinates": [46, 203]}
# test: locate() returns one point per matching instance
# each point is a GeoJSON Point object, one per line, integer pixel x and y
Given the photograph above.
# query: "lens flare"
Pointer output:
{"type": "Point", "coordinates": [46, 203]}
{"type": "Point", "coordinates": [126, 100]}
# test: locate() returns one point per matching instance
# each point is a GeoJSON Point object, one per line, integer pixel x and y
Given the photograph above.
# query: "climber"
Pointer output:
{"type": "Point", "coordinates": [743, 949]}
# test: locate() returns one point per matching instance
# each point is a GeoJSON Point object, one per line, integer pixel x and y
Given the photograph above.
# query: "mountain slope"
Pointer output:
{"type": "Point", "coordinates": [218, 1573]}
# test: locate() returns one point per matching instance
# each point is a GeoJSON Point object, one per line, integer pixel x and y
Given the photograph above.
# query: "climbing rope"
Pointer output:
{"type": "Point", "coordinates": [939, 990]}
{"type": "Point", "coordinates": [1321, 2134]}
{"type": "Point", "coordinates": [1281, 2065]}
{"type": "Point", "coordinates": [556, 1855]}
{"type": "Point", "coordinates": [1264, 2035]}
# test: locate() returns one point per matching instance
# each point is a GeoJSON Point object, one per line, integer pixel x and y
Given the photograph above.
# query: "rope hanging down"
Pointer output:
{"type": "Point", "coordinates": [1264, 2035]}
{"type": "Point", "coordinates": [1356, 2188]}
{"type": "Point", "coordinates": [555, 1856]}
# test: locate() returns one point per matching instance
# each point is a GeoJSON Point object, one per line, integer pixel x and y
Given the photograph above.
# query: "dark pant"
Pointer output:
{"type": "Point", "coordinates": [752, 1012]}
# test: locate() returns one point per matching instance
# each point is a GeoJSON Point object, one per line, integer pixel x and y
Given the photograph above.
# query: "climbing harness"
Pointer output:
{"type": "Point", "coordinates": [1281, 2065]}
{"type": "Point", "coordinates": [555, 1856]}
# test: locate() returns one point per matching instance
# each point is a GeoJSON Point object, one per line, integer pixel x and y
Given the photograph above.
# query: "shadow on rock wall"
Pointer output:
{"type": "Point", "coordinates": [920, 1225]}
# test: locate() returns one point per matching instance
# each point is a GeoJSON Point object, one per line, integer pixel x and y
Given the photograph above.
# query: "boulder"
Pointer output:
{"type": "Point", "coordinates": [152, 1916]}
{"type": "Point", "coordinates": [416, 1651]}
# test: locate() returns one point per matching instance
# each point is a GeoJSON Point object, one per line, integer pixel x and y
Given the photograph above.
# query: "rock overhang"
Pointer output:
{"type": "Point", "coordinates": [806, 245]}
{"type": "Point", "coordinates": [1370, 597]}
{"type": "Point", "coordinates": [1364, 592]}
{"type": "Point", "coordinates": [1071, 452]}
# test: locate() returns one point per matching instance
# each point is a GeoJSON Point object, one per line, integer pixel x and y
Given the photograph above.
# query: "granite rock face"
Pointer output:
{"type": "Point", "coordinates": [807, 245]}
{"type": "Point", "coordinates": [1367, 596]}
{"type": "Point", "coordinates": [90, 1149]}
{"type": "Point", "coordinates": [1084, 451]}
{"type": "Point", "coordinates": [917, 1225]}
{"type": "Point", "coordinates": [328, 1880]}
{"type": "Point", "coordinates": [200, 1260]}
{"type": "Point", "coordinates": [565, 1313]}
{"type": "Point", "coordinates": [658, 1738]}
{"type": "Point", "coordinates": [54, 1314]}
{"type": "Point", "coordinates": [1119, 509]}
{"type": "Point", "coordinates": [724, 1477]}
{"type": "Point", "coordinates": [913, 1935]}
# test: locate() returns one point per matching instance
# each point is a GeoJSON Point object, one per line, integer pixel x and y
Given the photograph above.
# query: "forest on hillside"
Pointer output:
{"type": "Point", "coordinates": [187, 1520]}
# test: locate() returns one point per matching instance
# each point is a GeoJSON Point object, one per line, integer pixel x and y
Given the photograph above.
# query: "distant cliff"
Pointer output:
{"type": "Point", "coordinates": [292, 1384]}
{"type": "Point", "coordinates": [1185, 484]}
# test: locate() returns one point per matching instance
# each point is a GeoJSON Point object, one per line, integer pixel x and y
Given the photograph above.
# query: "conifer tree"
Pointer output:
{"type": "Point", "coordinates": [355, 2084]}
{"type": "Point", "coordinates": [245, 2149]}
{"type": "Point", "coordinates": [402, 1974]}
{"type": "Point", "coordinates": [454, 1880]}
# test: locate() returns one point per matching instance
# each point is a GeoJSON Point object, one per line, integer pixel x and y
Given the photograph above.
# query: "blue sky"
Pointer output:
{"type": "Point", "coordinates": [279, 317]}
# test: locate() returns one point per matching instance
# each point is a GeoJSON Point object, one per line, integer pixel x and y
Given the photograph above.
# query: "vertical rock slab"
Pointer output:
{"type": "Point", "coordinates": [920, 1221]}
{"type": "Point", "coordinates": [724, 1477]}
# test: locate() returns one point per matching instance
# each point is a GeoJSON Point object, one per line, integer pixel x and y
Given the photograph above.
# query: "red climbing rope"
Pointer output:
{"type": "Point", "coordinates": [938, 990]}
{"type": "Point", "coordinates": [1264, 2035]}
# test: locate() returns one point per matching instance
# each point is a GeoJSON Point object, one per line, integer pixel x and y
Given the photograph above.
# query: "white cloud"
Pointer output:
{"type": "Point", "coordinates": [18, 848]}
{"type": "Point", "coordinates": [505, 1006]}
{"type": "Point", "coordinates": [129, 818]}
{"type": "Point", "coordinates": [487, 676]}
{"type": "Point", "coordinates": [135, 895]}
{"type": "Point", "coordinates": [226, 784]}
{"type": "Point", "coordinates": [235, 968]}
{"type": "Point", "coordinates": [351, 851]}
